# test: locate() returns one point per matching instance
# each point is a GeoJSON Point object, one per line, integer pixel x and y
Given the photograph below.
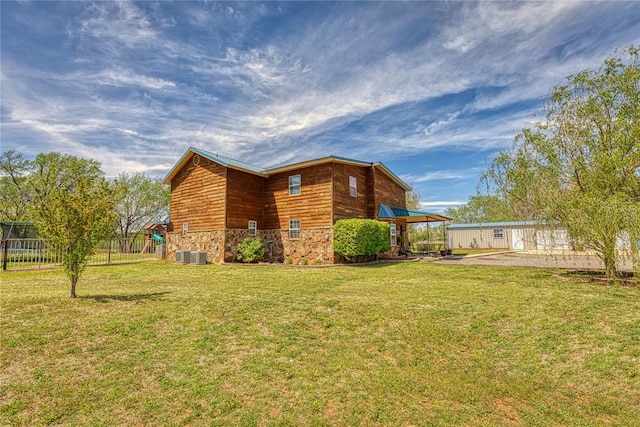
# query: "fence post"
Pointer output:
{"type": "Point", "coordinates": [5, 254]}
{"type": "Point", "coordinates": [109, 254]}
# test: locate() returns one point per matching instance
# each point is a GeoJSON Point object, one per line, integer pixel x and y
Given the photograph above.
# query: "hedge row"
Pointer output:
{"type": "Point", "coordinates": [356, 237]}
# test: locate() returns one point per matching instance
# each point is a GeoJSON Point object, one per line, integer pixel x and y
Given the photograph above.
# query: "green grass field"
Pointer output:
{"type": "Point", "coordinates": [387, 344]}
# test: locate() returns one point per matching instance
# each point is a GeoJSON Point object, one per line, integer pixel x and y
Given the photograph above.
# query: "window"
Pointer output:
{"type": "Point", "coordinates": [294, 185]}
{"type": "Point", "coordinates": [498, 233]}
{"type": "Point", "coordinates": [294, 229]}
{"type": "Point", "coordinates": [253, 227]}
{"type": "Point", "coordinates": [185, 228]}
{"type": "Point", "coordinates": [394, 238]}
{"type": "Point", "coordinates": [353, 186]}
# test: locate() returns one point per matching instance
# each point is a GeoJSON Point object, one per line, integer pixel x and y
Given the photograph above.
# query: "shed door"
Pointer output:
{"type": "Point", "coordinates": [517, 239]}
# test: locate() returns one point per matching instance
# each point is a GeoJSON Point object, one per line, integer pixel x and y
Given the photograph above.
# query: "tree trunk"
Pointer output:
{"type": "Point", "coordinates": [609, 257]}
{"type": "Point", "coordinates": [74, 280]}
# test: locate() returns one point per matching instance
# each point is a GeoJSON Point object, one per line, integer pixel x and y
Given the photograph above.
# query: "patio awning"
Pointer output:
{"type": "Point", "coordinates": [413, 216]}
{"type": "Point", "coordinates": [385, 212]}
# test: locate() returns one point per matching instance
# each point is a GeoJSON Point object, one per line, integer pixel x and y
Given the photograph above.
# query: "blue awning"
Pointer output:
{"type": "Point", "coordinates": [413, 216]}
{"type": "Point", "coordinates": [385, 212]}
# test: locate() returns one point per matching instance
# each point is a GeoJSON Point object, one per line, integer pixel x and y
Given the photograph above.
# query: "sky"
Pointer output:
{"type": "Point", "coordinates": [434, 90]}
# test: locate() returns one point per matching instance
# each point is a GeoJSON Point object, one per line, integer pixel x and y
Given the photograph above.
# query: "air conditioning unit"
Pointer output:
{"type": "Point", "coordinates": [198, 258]}
{"type": "Point", "coordinates": [183, 257]}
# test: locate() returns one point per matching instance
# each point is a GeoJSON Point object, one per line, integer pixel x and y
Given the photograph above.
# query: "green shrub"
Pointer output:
{"type": "Point", "coordinates": [304, 261]}
{"type": "Point", "coordinates": [356, 237]}
{"type": "Point", "coordinates": [251, 249]}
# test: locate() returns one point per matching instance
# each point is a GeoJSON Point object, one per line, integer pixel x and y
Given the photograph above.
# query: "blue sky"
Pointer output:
{"type": "Point", "coordinates": [431, 89]}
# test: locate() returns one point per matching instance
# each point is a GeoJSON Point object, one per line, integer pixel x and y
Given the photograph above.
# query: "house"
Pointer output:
{"type": "Point", "coordinates": [513, 235]}
{"type": "Point", "coordinates": [216, 202]}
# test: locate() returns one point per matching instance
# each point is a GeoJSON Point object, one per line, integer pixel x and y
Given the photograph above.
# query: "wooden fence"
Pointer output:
{"type": "Point", "coordinates": [25, 254]}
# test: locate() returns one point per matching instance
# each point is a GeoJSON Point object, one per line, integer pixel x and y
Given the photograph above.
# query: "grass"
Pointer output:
{"type": "Point", "coordinates": [388, 344]}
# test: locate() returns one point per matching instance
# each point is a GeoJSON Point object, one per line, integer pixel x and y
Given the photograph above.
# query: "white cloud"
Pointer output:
{"type": "Point", "coordinates": [436, 175]}
{"type": "Point", "coordinates": [122, 77]}
{"type": "Point", "coordinates": [443, 203]}
{"type": "Point", "coordinates": [117, 24]}
{"type": "Point", "coordinates": [375, 81]}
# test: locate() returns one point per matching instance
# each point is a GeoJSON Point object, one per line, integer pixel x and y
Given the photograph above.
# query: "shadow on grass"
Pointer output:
{"type": "Point", "coordinates": [135, 297]}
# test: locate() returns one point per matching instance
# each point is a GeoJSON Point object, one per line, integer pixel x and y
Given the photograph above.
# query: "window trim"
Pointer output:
{"type": "Point", "coordinates": [253, 228]}
{"type": "Point", "coordinates": [498, 233]}
{"type": "Point", "coordinates": [353, 186]}
{"type": "Point", "coordinates": [296, 230]}
{"type": "Point", "coordinates": [293, 186]}
{"type": "Point", "coordinates": [393, 237]}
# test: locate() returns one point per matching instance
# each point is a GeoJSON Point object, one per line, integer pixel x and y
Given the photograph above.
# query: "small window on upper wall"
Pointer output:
{"type": "Point", "coordinates": [185, 228]}
{"type": "Point", "coordinates": [498, 233]}
{"type": "Point", "coordinates": [253, 227]}
{"type": "Point", "coordinates": [294, 185]}
{"type": "Point", "coordinates": [353, 186]}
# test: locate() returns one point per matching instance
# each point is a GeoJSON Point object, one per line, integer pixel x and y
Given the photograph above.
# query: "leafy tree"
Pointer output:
{"type": "Point", "coordinates": [413, 199]}
{"type": "Point", "coordinates": [14, 197]}
{"type": "Point", "coordinates": [483, 208]}
{"type": "Point", "coordinates": [580, 168]}
{"type": "Point", "coordinates": [145, 199]}
{"type": "Point", "coordinates": [73, 206]}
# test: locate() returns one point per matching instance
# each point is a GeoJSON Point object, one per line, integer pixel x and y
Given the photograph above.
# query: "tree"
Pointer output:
{"type": "Point", "coordinates": [73, 206]}
{"type": "Point", "coordinates": [145, 199]}
{"type": "Point", "coordinates": [580, 168]}
{"type": "Point", "coordinates": [14, 197]}
{"type": "Point", "coordinates": [413, 199]}
{"type": "Point", "coordinates": [483, 208]}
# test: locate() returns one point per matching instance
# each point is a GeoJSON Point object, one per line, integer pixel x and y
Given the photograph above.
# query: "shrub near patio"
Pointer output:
{"type": "Point", "coordinates": [356, 239]}
{"type": "Point", "coordinates": [384, 344]}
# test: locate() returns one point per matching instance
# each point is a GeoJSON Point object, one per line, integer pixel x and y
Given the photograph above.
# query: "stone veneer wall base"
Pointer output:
{"type": "Point", "coordinates": [315, 245]}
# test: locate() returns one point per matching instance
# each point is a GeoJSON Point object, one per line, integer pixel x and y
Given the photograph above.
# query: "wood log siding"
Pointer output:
{"type": "Point", "coordinates": [210, 196]}
{"type": "Point", "coordinates": [344, 205]}
{"type": "Point", "coordinates": [372, 211]}
{"type": "Point", "coordinates": [198, 196]}
{"type": "Point", "coordinates": [312, 206]}
{"type": "Point", "coordinates": [245, 199]}
{"type": "Point", "coordinates": [387, 191]}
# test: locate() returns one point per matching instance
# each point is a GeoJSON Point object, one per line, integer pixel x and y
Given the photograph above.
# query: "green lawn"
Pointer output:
{"type": "Point", "coordinates": [388, 344]}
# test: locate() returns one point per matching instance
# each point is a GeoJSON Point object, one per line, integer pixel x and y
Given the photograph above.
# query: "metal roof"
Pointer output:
{"type": "Point", "coordinates": [343, 160]}
{"type": "Point", "coordinates": [228, 161]}
{"type": "Point", "coordinates": [413, 216]}
{"type": "Point", "coordinates": [318, 161]}
{"type": "Point", "coordinates": [385, 211]}
{"type": "Point", "coordinates": [221, 160]}
{"type": "Point", "coordinates": [494, 224]}
{"type": "Point", "coordinates": [256, 170]}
